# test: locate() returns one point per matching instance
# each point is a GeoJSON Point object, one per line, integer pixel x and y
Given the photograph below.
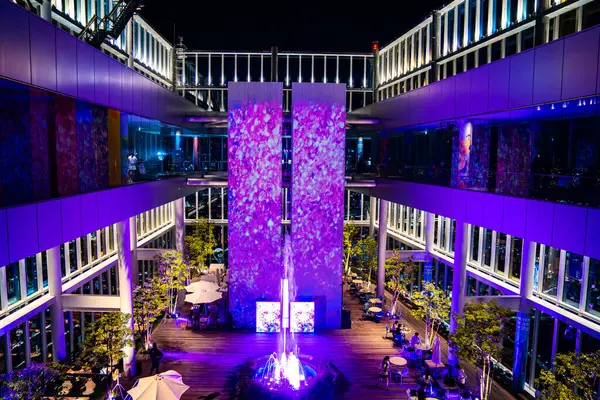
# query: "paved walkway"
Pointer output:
{"type": "Point", "coordinates": [209, 361]}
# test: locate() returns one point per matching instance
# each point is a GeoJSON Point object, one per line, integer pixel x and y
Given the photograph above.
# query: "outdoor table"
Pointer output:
{"type": "Point", "coordinates": [365, 291]}
{"type": "Point", "coordinates": [375, 310]}
{"type": "Point", "coordinates": [357, 281]}
{"type": "Point", "coordinates": [422, 347]}
{"type": "Point", "coordinates": [406, 331]}
{"type": "Point", "coordinates": [434, 367]}
{"type": "Point", "coordinates": [354, 275]}
{"type": "Point", "coordinates": [375, 301]}
{"type": "Point", "coordinates": [398, 361]}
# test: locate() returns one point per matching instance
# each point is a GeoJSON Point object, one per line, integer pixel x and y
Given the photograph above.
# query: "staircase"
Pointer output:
{"type": "Point", "coordinates": [111, 25]}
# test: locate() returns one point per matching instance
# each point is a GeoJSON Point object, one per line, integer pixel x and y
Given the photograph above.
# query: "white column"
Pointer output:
{"type": "Point", "coordinates": [124, 234]}
{"type": "Point", "coordinates": [459, 280]}
{"type": "Point", "coordinates": [429, 220]}
{"type": "Point", "coordinates": [372, 206]}
{"type": "Point", "coordinates": [59, 350]}
{"type": "Point", "coordinates": [133, 246]}
{"type": "Point", "coordinates": [382, 242]}
{"type": "Point", "coordinates": [179, 224]}
{"type": "Point", "coordinates": [129, 43]}
{"type": "Point", "coordinates": [46, 10]}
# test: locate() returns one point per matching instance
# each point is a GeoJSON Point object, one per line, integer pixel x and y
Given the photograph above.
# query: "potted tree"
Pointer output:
{"type": "Point", "coordinates": [398, 273]}
{"type": "Point", "coordinates": [366, 252]}
{"type": "Point", "coordinates": [149, 301]}
{"type": "Point", "coordinates": [173, 274]}
{"type": "Point", "coordinates": [570, 370]}
{"type": "Point", "coordinates": [199, 246]}
{"type": "Point", "coordinates": [478, 339]}
{"type": "Point", "coordinates": [432, 306]}
{"type": "Point", "coordinates": [105, 340]}
{"type": "Point", "coordinates": [350, 232]}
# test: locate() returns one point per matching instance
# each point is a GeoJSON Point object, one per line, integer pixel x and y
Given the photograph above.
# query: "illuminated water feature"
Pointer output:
{"type": "Point", "coordinates": [284, 369]}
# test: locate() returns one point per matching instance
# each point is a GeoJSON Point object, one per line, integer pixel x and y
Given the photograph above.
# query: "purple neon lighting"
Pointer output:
{"type": "Point", "coordinates": [254, 189]}
{"type": "Point", "coordinates": [318, 140]}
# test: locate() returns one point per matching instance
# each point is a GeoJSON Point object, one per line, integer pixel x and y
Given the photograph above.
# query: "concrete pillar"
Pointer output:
{"type": "Point", "coordinates": [382, 242]}
{"type": "Point", "coordinates": [459, 280]}
{"type": "Point", "coordinates": [180, 224]}
{"type": "Point", "coordinates": [126, 286]}
{"type": "Point", "coordinates": [429, 220]}
{"type": "Point", "coordinates": [135, 276]}
{"type": "Point", "coordinates": [46, 10]}
{"type": "Point", "coordinates": [372, 206]}
{"type": "Point", "coordinates": [59, 349]}
{"type": "Point", "coordinates": [523, 317]}
{"type": "Point", "coordinates": [129, 44]}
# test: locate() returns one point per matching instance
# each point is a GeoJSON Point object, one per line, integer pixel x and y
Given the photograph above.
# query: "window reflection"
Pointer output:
{"type": "Point", "coordinates": [500, 252]}
{"type": "Point", "coordinates": [35, 338]}
{"type": "Point", "coordinates": [13, 283]}
{"type": "Point", "coordinates": [475, 243]}
{"type": "Point", "coordinates": [573, 273]}
{"type": "Point", "coordinates": [17, 346]}
{"type": "Point", "coordinates": [516, 249]}
{"type": "Point", "coordinates": [487, 247]}
{"type": "Point", "coordinates": [550, 271]}
{"type": "Point", "coordinates": [593, 289]}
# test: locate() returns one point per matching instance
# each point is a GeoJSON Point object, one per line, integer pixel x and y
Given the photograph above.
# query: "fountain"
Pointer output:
{"type": "Point", "coordinates": [286, 374]}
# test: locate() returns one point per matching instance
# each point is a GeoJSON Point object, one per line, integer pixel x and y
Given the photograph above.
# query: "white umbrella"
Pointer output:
{"type": "Point", "coordinates": [436, 357]}
{"type": "Point", "coordinates": [165, 386]}
{"type": "Point", "coordinates": [202, 286]}
{"type": "Point", "coordinates": [203, 297]}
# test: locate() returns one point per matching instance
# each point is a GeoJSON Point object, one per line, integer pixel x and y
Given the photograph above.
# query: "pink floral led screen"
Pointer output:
{"type": "Point", "coordinates": [318, 142]}
{"type": "Point", "coordinates": [254, 192]}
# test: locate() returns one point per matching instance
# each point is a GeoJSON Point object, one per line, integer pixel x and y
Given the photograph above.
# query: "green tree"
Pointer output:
{"type": "Point", "coordinates": [350, 232]}
{"type": "Point", "coordinates": [33, 382]}
{"type": "Point", "coordinates": [199, 246]}
{"type": "Point", "coordinates": [433, 306]}
{"type": "Point", "coordinates": [149, 300]}
{"type": "Point", "coordinates": [105, 340]}
{"type": "Point", "coordinates": [366, 252]}
{"type": "Point", "coordinates": [570, 370]}
{"type": "Point", "coordinates": [173, 272]}
{"type": "Point", "coordinates": [398, 274]}
{"type": "Point", "coordinates": [479, 337]}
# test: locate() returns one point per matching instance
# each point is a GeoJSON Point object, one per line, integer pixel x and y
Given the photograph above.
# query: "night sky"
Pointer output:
{"type": "Point", "coordinates": [293, 26]}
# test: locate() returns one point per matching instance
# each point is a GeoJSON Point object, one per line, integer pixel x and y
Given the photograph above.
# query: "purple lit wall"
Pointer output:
{"type": "Point", "coordinates": [254, 189]}
{"type": "Point", "coordinates": [318, 140]}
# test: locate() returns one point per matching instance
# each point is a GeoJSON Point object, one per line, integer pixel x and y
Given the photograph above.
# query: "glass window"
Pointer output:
{"type": "Point", "coordinates": [31, 275]}
{"type": "Point", "coordinates": [190, 206]}
{"type": "Point", "coordinates": [93, 246]}
{"type": "Point", "coordinates": [83, 250]}
{"type": "Point", "coordinates": [2, 355]}
{"type": "Point", "coordinates": [500, 252]}
{"type": "Point", "coordinates": [573, 273]}
{"type": "Point", "coordinates": [48, 330]}
{"type": "Point", "coordinates": [516, 249]}
{"type": "Point", "coordinates": [544, 343]}
{"type": "Point", "coordinates": [474, 243]}
{"type": "Point", "coordinates": [366, 208]}
{"type": "Point", "coordinates": [102, 243]}
{"type": "Point", "coordinates": [550, 271]}
{"type": "Point", "coordinates": [73, 255]}
{"type": "Point", "coordinates": [353, 211]}
{"type": "Point", "coordinates": [13, 283]}
{"type": "Point", "coordinates": [17, 346]}
{"type": "Point", "coordinates": [35, 339]}
{"type": "Point", "coordinates": [411, 222]}
{"type": "Point", "coordinates": [487, 247]}
{"type": "Point", "coordinates": [63, 261]}
{"type": "Point", "coordinates": [536, 268]}
{"type": "Point", "coordinates": [420, 218]}
{"type": "Point", "coordinates": [593, 289]}
{"type": "Point", "coordinates": [452, 236]}
{"type": "Point", "coordinates": [435, 230]}
{"type": "Point", "coordinates": [44, 269]}
{"type": "Point", "coordinates": [111, 238]}
{"type": "Point", "coordinates": [566, 338]}
{"type": "Point", "coordinates": [203, 203]}
{"type": "Point", "coordinates": [443, 237]}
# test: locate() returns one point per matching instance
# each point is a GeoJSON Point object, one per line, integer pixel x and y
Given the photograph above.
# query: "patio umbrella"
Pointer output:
{"type": "Point", "coordinates": [203, 297]}
{"type": "Point", "coordinates": [165, 386]}
{"type": "Point", "coordinates": [202, 286]}
{"type": "Point", "coordinates": [436, 357]}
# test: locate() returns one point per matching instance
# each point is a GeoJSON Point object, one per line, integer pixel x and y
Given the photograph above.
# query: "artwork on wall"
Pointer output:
{"type": "Point", "coordinates": [302, 316]}
{"type": "Point", "coordinates": [268, 316]}
{"type": "Point", "coordinates": [318, 142]}
{"type": "Point", "coordinates": [254, 197]}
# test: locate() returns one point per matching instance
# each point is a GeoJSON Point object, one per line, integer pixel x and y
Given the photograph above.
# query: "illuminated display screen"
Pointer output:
{"type": "Point", "coordinates": [302, 316]}
{"type": "Point", "coordinates": [268, 316]}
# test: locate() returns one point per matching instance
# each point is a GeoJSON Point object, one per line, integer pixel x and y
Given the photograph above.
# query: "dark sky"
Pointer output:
{"type": "Point", "coordinates": [290, 25]}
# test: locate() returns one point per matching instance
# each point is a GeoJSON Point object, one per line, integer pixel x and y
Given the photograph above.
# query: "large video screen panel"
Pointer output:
{"type": "Point", "coordinates": [254, 193]}
{"type": "Point", "coordinates": [318, 141]}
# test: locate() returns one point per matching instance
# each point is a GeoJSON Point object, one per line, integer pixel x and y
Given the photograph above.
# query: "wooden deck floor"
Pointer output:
{"type": "Point", "coordinates": [208, 361]}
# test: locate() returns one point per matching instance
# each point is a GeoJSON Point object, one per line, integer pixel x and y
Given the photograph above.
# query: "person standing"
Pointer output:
{"type": "Point", "coordinates": [155, 356]}
{"type": "Point", "coordinates": [461, 378]}
{"type": "Point", "coordinates": [384, 372]}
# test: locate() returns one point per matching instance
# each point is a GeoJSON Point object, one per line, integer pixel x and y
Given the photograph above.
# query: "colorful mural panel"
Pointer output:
{"type": "Point", "coordinates": [254, 197]}
{"type": "Point", "coordinates": [318, 140]}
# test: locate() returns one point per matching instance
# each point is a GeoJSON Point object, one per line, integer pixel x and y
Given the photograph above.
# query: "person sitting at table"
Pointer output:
{"type": "Point", "coordinates": [395, 327]}
{"type": "Point", "coordinates": [415, 340]}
